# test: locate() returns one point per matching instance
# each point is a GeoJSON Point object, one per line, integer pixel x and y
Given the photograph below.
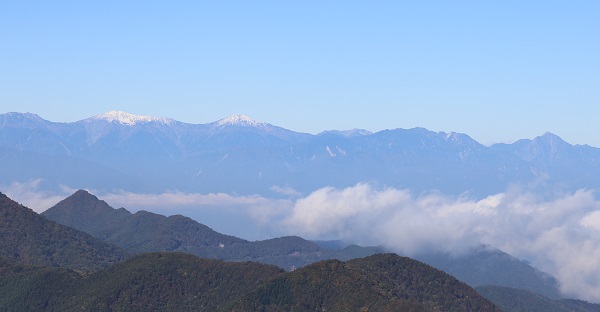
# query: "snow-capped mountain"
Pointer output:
{"type": "Point", "coordinates": [238, 121]}
{"type": "Point", "coordinates": [127, 119]}
{"type": "Point", "coordinates": [243, 156]}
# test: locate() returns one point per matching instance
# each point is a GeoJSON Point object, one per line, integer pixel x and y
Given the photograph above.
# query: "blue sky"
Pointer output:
{"type": "Point", "coordinates": [496, 70]}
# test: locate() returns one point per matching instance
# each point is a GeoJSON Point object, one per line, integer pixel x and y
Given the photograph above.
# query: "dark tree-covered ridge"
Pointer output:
{"type": "Point", "coordinates": [29, 238]}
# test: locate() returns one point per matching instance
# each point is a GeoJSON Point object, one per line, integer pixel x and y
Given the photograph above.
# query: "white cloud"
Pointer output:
{"type": "Point", "coordinates": [249, 217]}
{"type": "Point", "coordinates": [177, 198]}
{"type": "Point", "coordinates": [559, 235]}
{"type": "Point", "coordinates": [29, 194]}
{"type": "Point", "coordinates": [285, 190]}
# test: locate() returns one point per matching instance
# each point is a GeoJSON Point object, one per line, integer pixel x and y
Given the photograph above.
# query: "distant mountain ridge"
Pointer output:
{"type": "Point", "coordinates": [238, 155]}
{"type": "Point", "coordinates": [518, 300]}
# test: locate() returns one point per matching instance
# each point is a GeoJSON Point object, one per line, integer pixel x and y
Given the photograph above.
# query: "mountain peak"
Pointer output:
{"type": "Point", "coordinates": [128, 119]}
{"type": "Point", "coordinates": [29, 119]}
{"type": "Point", "coordinates": [22, 115]}
{"type": "Point", "coordinates": [549, 135]}
{"type": "Point", "coordinates": [81, 208]}
{"type": "Point", "coordinates": [84, 194]}
{"type": "Point", "coordinates": [550, 139]}
{"type": "Point", "coordinates": [239, 120]}
{"type": "Point", "coordinates": [32, 239]}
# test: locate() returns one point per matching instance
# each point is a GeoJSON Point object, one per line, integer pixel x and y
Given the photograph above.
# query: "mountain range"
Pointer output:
{"type": "Point", "coordinates": [148, 232]}
{"type": "Point", "coordinates": [241, 156]}
{"type": "Point", "coordinates": [75, 271]}
{"type": "Point", "coordinates": [237, 155]}
{"type": "Point", "coordinates": [145, 231]}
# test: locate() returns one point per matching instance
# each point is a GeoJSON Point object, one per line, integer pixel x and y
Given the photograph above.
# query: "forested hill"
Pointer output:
{"type": "Point", "coordinates": [183, 282]}
{"type": "Point", "coordinates": [29, 238]}
{"type": "Point", "coordinates": [382, 282]}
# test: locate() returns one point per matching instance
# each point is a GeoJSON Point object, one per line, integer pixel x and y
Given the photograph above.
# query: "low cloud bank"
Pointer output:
{"type": "Point", "coordinates": [559, 234]}
{"type": "Point", "coordinates": [30, 194]}
{"type": "Point", "coordinates": [250, 217]}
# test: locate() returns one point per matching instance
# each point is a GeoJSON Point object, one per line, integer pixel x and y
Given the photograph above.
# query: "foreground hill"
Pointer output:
{"type": "Point", "coordinates": [146, 232]}
{"type": "Point", "coordinates": [183, 282]}
{"type": "Point", "coordinates": [517, 300]}
{"type": "Point", "coordinates": [383, 282]}
{"type": "Point", "coordinates": [31, 239]}
{"type": "Point", "coordinates": [148, 282]}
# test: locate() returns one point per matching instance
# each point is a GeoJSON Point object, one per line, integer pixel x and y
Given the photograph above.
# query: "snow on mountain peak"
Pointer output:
{"type": "Point", "coordinates": [128, 119]}
{"type": "Point", "coordinates": [239, 120]}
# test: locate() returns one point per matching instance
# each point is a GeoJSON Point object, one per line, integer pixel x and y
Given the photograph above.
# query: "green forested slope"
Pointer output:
{"type": "Point", "coordinates": [29, 238]}
{"type": "Point", "coordinates": [383, 282]}
{"type": "Point", "coordinates": [183, 282]}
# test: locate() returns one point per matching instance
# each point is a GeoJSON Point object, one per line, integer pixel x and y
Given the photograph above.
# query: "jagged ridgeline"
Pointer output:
{"type": "Point", "coordinates": [237, 155]}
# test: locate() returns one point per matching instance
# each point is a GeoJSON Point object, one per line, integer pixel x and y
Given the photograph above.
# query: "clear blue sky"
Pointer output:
{"type": "Point", "coordinates": [496, 70]}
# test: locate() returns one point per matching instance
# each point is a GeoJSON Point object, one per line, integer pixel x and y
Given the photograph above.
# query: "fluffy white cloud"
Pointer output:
{"type": "Point", "coordinates": [559, 235]}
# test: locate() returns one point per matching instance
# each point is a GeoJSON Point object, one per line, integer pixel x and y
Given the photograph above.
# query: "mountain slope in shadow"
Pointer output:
{"type": "Point", "coordinates": [31, 239]}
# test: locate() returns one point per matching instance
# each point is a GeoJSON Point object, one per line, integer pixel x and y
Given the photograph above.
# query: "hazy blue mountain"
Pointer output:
{"type": "Point", "coordinates": [242, 156]}
{"type": "Point", "coordinates": [517, 300]}
{"type": "Point", "coordinates": [489, 266]}
{"type": "Point", "coordinates": [556, 161]}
